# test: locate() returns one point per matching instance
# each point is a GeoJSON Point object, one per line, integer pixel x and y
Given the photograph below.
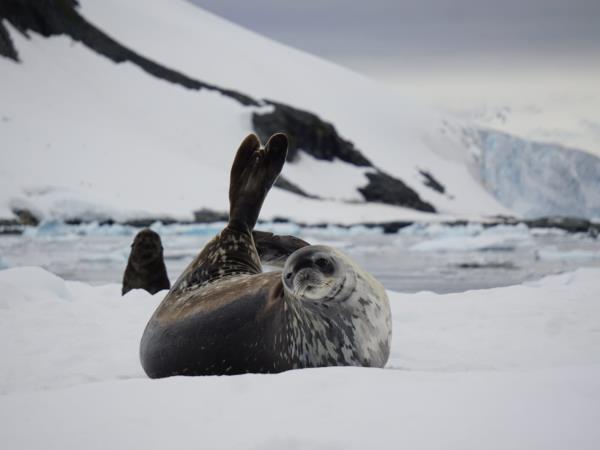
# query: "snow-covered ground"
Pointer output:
{"type": "Point", "coordinates": [515, 367]}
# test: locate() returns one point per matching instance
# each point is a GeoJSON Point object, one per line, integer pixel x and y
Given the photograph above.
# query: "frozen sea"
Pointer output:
{"type": "Point", "coordinates": [421, 257]}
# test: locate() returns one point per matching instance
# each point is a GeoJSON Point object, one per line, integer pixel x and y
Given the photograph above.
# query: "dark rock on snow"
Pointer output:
{"type": "Point", "coordinates": [26, 217]}
{"type": "Point", "coordinates": [386, 189]}
{"type": "Point", "coordinates": [306, 132]}
{"type": "Point", "coordinates": [206, 215]}
{"type": "Point", "coordinates": [60, 17]}
{"type": "Point", "coordinates": [286, 185]}
{"type": "Point", "coordinates": [431, 182]}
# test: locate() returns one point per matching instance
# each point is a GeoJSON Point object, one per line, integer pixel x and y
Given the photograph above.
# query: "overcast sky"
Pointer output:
{"type": "Point", "coordinates": [383, 37]}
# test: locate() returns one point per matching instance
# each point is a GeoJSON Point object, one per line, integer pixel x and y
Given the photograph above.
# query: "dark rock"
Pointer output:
{"type": "Point", "coordinates": [285, 184]}
{"type": "Point", "coordinates": [387, 227]}
{"type": "Point", "coordinates": [490, 265]}
{"type": "Point", "coordinates": [7, 48]}
{"type": "Point", "coordinates": [146, 222]}
{"type": "Point", "coordinates": [570, 224]}
{"type": "Point", "coordinates": [206, 215]}
{"type": "Point", "coordinates": [307, 132]}
{"type": "Point", "coordinates": [393, 227]}
{"type": "Point", "coordinates": [386, 189]}
{"type": "Point", "coordinates": [60, 17]}
{"type": "Point", "coordinates": [431, 182]}
{"type": "Point", "coordinates": [26, 217]}
{"type": "Point", "coordinates": [11, 226]}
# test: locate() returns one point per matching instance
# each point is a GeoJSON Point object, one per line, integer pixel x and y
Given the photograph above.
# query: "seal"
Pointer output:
{"type": "Point", "coordinates": [225, 316]}
{"type": "Point", "coordinates": [146, 266]}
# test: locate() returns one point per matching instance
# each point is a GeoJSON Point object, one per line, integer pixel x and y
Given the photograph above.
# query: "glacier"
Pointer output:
{"type": "Point", "coordinates": [536, 179]}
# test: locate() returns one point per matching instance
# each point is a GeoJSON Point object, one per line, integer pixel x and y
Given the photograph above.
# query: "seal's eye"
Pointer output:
{"type": "Point", "coordinates": [321, 263]}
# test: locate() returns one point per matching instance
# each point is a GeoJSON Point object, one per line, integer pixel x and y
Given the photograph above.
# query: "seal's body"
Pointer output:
{"type": "Point", "coordinates": [146, 266]}
{"type": "Point", "coordinates": [224, 316]}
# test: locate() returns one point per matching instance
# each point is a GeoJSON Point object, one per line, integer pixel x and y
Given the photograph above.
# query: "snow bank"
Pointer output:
{"type": "Point", "coordinates": [317, 409]}
{"type": "Point", "coordinates": [514, 367]}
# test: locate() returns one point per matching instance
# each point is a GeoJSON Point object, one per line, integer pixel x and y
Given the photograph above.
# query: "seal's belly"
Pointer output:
{"type": "Point", "coordinates": [222, 328]}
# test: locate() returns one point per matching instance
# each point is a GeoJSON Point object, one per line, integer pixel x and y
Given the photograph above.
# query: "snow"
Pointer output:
{"type": "Point", "coordinates": [77, 128]}
{"type": "Point", "coordinates": [513, 367]}
{"type": "Point", "coordinates": [537, 179]}
{"type": "Point", "coordinates": [397, 134]}
{"type": "Point", "coordinates": [537, 100]}
{"type": "Point", "coordinates": [101, 169]}
{"type": "Point", "coordinates": [86, 138]}
{"type": "Point", "coordinates": [327, 179]}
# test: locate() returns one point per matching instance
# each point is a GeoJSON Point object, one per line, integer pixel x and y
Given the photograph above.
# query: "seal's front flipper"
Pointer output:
{"type": "Point", "coordinates": [253, 173]}
{"type": "Point", "coordinates": [273, 249]}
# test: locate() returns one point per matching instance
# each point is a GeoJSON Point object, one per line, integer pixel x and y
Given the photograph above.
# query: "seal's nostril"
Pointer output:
{"type": "Point", "coordinates": [288, 275]}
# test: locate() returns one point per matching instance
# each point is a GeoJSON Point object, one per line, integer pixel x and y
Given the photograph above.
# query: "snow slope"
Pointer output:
{"type": "Point", "coordinates": [75, 125]}
{"type": "Point", "coordinates": [84, 137]}
{"type": "Point", "coordinates": [515, 367]}
{"type": "Point", "coordinates": [70, 154]}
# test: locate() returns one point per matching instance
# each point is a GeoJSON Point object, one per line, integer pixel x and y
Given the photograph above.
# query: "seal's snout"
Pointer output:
{"type": "Point", "coordinates": [306, 279]}
{"type": "Point", "coordinates": [312, 273]}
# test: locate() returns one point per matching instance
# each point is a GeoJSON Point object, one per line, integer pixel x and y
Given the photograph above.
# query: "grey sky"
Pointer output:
{"type": "Point", "coordinates": [378, 35]}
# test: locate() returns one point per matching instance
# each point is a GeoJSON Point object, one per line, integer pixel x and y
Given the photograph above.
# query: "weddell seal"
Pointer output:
{"type": "Point", "coordinates": [225, 316]}
{"type": "Point", "coordinates": [146, 266]}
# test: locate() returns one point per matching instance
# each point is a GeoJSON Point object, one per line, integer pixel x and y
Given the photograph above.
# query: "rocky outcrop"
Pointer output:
{"type": "Point", "coordinates": [60, 17]}
{"type": "Point", "coordinates": [570, 224]}
{"type": "Point", "coordinates": [26, 217]}
{"type": "Point", "coordinates": [310, 134]}
{"type": "Point", "coordinates": [431, 182]}
{"type": "Point", "coordinates": [386, 189]}
{"type": "Point", "coordinates": [286, 185]}
{"type": "Point", "coordinates": [307, 132]}
{"type": "Point", "coordinates": [206, 215]}
{"type": "Point", "coordinates": [7, 48]}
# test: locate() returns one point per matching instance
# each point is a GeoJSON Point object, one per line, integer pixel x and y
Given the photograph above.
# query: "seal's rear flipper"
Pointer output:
{"type": "Point", "coordinates": [273, 249]}
{"type": "Point", "coordinates": [253, 172]}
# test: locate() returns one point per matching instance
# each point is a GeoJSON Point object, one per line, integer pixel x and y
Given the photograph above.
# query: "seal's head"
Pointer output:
{"type": "Point", "coordinates": [146, 248]}
{"type": "Point", "coordinates": [318, 273]}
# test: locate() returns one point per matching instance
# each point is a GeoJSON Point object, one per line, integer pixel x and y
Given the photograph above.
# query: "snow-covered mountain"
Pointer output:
{"type": "Point", "coordinates": [114, 109]}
